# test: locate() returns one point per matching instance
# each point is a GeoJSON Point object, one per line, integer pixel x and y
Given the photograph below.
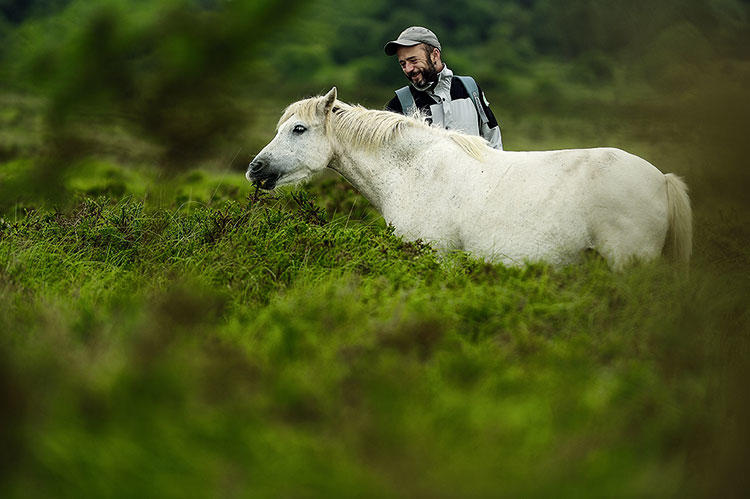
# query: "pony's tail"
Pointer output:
{"type": "Point", "coordinates": [679, 242]}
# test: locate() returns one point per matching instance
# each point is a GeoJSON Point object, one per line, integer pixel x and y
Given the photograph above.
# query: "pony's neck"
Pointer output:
{"type": "Point", "coordinates": [369, 173]}
{"type": "Point", "coordinates": [382, 173]}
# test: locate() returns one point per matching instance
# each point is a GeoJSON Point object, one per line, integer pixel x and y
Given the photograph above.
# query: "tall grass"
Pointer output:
{"type": "Point", "coordinates": [262, 346]}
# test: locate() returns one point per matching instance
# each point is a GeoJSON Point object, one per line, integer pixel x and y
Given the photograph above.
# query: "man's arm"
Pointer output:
{"type": "Point", "coordinates": [491, 130]}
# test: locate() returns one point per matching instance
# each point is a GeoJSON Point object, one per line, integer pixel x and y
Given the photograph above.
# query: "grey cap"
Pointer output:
{"type": "Point", "coordinates": [412, 36]}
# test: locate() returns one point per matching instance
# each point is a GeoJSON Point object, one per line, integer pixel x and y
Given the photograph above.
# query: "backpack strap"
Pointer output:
{"type": "Point", "coordinates": [408, 106]}
{"type": "Point", "coordinates": [471, 87]}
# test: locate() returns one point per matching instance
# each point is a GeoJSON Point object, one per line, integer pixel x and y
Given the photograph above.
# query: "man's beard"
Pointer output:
{"type": "Point", "coordinates": [429, 76]}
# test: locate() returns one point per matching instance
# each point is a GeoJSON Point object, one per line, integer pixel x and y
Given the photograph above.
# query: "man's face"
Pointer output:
{"type": "Point", "coordinates": [418, 67]}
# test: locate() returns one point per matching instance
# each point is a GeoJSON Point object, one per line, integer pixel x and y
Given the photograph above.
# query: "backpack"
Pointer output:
{"type": "Point", "coordinates": [409, 106]}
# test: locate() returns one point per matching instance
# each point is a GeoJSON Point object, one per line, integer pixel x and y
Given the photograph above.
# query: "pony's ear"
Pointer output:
{"type": "Point", "coordinates": [326, 104]}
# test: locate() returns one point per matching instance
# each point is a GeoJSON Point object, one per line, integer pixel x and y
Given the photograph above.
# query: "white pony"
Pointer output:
{"type": "Point", "coordinates": [455, 192]}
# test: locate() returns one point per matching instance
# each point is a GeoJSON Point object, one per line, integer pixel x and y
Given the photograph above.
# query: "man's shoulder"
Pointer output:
{"type": "Point", "coordinates": [465, 80]}
{"type": "Point", "coordinates": [459, 89]}
{"type": "Point", "coordinates": [464, 77]}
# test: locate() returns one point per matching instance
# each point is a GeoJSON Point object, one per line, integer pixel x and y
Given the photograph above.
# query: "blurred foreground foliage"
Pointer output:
{"type": "Point", "coordinates": [262, 346]}
{"type": "Point", "coordinates": [169, 68]}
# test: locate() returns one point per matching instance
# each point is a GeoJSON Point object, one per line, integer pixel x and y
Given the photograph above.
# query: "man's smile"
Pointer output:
{"type": "Point", "coordinates": [417, 77]}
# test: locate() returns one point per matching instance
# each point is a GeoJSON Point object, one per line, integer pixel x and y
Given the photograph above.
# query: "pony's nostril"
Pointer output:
{"type": "Point", "coordinates": [257, 165]}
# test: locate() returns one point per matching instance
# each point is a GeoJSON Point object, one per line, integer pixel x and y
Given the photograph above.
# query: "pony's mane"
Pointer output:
{"type": "Point", "coordinates": [369, 128]}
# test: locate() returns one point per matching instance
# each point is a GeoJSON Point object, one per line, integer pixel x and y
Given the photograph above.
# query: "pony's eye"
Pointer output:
{"type": "Point", "coordinates": [299, 129]}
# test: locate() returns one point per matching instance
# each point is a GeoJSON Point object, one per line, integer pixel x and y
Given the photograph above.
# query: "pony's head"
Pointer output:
{"type": "Point", "coordinates": [301, 146]}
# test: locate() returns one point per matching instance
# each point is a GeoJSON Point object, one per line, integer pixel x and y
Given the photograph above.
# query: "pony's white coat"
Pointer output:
{"type": "Point", "coordinates": [455, 192]}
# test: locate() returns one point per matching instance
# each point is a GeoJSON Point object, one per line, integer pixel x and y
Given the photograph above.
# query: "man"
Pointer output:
{"type": "Point", "coordinates": [452, 102]}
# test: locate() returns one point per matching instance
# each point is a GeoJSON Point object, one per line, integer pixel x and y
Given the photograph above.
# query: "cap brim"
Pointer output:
{"type": "Point", "coordinates": [391, 47]}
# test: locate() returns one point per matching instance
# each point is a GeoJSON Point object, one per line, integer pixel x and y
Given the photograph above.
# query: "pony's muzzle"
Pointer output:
{"type": "Point", "coordinates": [255, 169]}
{"type": "Point", "coordinates": [258, 174]}
{"type": "Point", "coordinates": [256, 166]}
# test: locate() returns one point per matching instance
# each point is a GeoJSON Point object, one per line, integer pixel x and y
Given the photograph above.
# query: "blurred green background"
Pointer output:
{"type": "Point", "coordinates": [166, 330]}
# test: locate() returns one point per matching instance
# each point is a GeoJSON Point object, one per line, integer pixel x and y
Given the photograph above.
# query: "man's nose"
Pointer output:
{"type": "Point", "coordinates": [408, 67]}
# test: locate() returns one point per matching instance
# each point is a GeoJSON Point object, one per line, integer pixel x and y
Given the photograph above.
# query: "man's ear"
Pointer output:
{"type": "Point", "coordinates": [326, 103]}
{"type": "Point", "coordinates": [435, 55]}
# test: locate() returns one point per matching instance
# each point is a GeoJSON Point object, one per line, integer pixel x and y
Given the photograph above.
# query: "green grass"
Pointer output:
{"type": "Point", "coordinates": [262, 346]}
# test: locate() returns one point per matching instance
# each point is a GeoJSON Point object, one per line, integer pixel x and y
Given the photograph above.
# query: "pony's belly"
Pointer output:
{"type": "Point", "coordinates": [520, 247]}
